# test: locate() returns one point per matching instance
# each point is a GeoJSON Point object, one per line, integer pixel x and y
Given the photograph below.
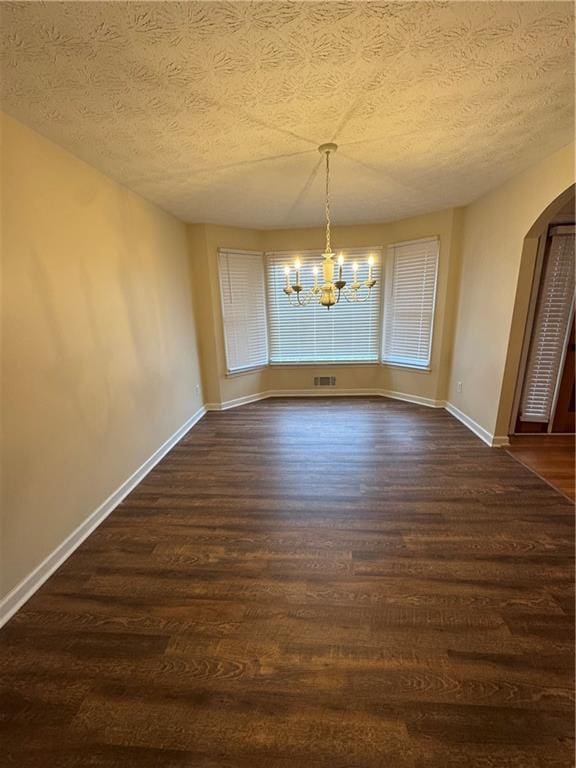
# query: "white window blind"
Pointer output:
{"type": "Point", "coordinates": [551, 321]}
{"type": "Point", "coordinates": [243, 295]}
{"type": "Point", "coordinates": [409, 302]}
{"type": "Point", "coordinates": [344, 333]}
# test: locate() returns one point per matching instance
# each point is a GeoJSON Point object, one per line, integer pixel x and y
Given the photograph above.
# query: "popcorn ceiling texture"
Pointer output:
{"type": "Point", "coordinates": [214, 110]}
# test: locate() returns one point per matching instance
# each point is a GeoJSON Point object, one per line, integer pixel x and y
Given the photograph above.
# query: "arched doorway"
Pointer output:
{"type": "Point", "coordinates": [542, 412]}
{"type": "Point", "coordinates": [542, 402]}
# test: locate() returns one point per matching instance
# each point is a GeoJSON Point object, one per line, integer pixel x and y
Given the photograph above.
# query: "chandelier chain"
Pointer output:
{"type": "Point", "coordinates": [328, 248]}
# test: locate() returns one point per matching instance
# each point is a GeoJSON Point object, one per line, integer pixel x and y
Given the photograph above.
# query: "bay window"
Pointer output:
{"type": "Point", "coordinates": [395, 326]}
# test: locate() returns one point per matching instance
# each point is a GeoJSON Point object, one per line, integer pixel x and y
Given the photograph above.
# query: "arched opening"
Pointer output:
{"type": "Point", "coordinates": [561, 210]}
{"type": "Point", "coordinates": [538, 398]}
{"type": "Point", "coordinates": [543, 399]}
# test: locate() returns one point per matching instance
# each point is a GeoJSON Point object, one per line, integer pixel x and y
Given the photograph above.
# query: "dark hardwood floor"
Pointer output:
{"type": "Point", "coordinates": [322, 583]}
{"type": "Point", "coordinates": [552, 457]}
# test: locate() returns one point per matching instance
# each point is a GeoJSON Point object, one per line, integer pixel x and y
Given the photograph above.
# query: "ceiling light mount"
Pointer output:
{"type": "Point", "coordinates": [327, 148]}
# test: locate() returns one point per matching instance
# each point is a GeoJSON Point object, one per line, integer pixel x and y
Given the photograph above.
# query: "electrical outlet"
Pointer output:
{"type": "Point", "coordinates": [458, 386]}
{"type": "Point", "coordinates": [197, 389]}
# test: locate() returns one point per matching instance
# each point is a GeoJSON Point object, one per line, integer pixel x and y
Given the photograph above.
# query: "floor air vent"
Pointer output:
{"type": "Point", "coordinates": [324, 381]}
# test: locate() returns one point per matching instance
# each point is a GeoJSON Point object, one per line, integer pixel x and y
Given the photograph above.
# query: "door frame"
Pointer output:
{"type": "Point", "coordinates": [529, 327]}
{"type": "Point", "coordinates": [543, 242]}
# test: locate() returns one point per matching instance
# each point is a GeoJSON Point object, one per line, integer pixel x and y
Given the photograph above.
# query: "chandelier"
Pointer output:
{"type": "Point", "coordinates": [329, 292]}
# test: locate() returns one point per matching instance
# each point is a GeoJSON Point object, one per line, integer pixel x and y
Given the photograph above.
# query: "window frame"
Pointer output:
{"type": "Point", "coordinates": [230, 373]}
{"type": "Point", "coordinates": [290, 255]}
{"type": "Point", "coordinates": [388, 272]}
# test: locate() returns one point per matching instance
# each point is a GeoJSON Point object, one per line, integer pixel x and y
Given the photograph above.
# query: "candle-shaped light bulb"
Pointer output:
{"type": "Point", "coordinates": [340, 263]}
{"type": "Point", "coordinates": [355, 267]}
{"type": "Point", "coordinates": [315, 273]}
{"type": "Point", "coordinates": [297, 267]}
{"type": "Point", "coordinates": [370, 265]}
{"type": "Point", "coordinates": [287, 273]}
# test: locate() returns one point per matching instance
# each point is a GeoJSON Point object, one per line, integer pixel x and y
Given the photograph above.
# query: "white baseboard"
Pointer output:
{"type": "Point", "coordinates": [494, 441]}
{"type": "Point", "coordinates": [325, 392]}
{"type": "Point", "coordinates": [236, 402]}
{"type": "Point", "coordinates": [28, 586]}
{"type": "Point", "coordinates": [427, 401]}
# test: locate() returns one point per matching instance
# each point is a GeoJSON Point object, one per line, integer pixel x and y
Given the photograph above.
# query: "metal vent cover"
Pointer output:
{"type": "Point", "coordinates": [324, 381]}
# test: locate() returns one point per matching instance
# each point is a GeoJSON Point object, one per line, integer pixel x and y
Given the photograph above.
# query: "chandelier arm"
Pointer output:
{"type": "Point", "coordinates": [307, 297]}
{"type": "Point", "coordinates": [313, 297]}
{"type": "Point", "coordinates": [358, 296]}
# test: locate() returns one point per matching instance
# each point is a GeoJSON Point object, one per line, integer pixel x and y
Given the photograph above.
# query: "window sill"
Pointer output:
{"type": "Point", "coordinates": [244, 371]}
{"type": "Point", "coordinates": [326, 363]}
{"type": "Point", "coordinates": [407, 367]}
{"type": "Point", "coordinates": [353, 364]}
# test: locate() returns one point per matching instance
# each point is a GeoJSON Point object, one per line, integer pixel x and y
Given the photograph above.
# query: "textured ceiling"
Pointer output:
{"type": "Point", "coordinates": [214, 110]}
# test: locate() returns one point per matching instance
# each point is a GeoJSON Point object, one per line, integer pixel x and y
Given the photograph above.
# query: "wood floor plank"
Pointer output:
{"type": "Point", "coordinates": [342, 583]}
{"type": "Point", "coordinates": [552, 457]}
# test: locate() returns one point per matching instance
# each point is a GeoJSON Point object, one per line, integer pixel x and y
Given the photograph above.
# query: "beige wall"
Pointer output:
{"type": "Point", "coordinates": [99, 361]}
{"type": "Point", "coordinates": [487, 347]}
{"type": "Point", "coordinates": [204, 242]}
